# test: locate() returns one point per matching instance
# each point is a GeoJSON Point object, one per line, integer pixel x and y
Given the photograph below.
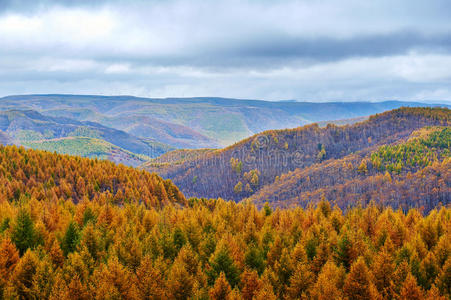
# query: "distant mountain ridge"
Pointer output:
{"type": "Point", "coordinates": [203, 122]}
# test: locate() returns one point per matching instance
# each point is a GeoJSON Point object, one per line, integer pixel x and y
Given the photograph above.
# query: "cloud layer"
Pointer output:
{"type": "Point", "coordinates": [306, 50]}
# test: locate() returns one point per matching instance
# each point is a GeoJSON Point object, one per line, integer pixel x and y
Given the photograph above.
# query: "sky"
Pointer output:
{"type": "Point", "coordinates": [306, 50]}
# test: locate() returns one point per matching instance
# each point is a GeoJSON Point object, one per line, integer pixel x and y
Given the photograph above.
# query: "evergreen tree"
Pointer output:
{"type": "Point", "coordinates": [254, 259]}
{"type": "Point", "coordinates": [71, 239]}
{"type": "Point", "coordinates": [223, 263]}
{"type": "Point", "coordinates": [23, 234]}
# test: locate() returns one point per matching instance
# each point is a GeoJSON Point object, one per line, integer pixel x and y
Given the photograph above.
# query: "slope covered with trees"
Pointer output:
{"type": "Point", "coordinates": [44, 176]}
{"type": "Point", "coordinates": [221, 250]}
{"type": "Point", "coordinates": [241, 170]}
{"type": "Point", "coordinates": [413, 173]}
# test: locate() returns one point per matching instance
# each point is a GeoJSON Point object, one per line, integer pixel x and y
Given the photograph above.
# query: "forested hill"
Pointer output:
{"type": "Point", "coordinates": [414, 173]}
{"type": "Point", "coordinates": [44, 176]}
{"type": "Point", "coordinates": [240, 170]}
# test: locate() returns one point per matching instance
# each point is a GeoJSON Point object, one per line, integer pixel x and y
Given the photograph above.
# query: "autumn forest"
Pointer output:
{"type": "Point", "coordinates": [368, 224]}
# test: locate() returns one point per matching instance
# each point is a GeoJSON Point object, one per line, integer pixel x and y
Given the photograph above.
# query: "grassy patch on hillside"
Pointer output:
{"type": "Point", "coordinates": [81, 146]}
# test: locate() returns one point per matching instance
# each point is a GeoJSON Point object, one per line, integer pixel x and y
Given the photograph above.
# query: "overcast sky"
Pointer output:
{"type": "Point", "coordinates": [306, 50]}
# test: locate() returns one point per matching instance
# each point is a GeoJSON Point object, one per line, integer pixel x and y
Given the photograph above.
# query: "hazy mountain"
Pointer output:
{"type": "Point", "coordinates": [64, 135]}
{"type": "Point", "coordinates": [194, 122]}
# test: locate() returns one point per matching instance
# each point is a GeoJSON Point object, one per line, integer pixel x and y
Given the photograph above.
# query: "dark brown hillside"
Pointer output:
{"type": "Point", "coordinates": [46, 176]}
{"type": "Point", "coordinates": [415, 173]}
{"type": "Point", "coordinates": [240, 170]}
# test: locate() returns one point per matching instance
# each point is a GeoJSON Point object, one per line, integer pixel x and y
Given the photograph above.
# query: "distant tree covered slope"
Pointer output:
{"type": "Point", "coordinates": [178, 156]}
{"type": "Point", "coordinates": [238, 171]}
{"type": "Point", "coordinates": [47, 176]}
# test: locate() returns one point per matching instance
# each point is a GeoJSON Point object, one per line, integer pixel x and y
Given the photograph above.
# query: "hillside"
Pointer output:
{"type": "Point", "coordinates": [43, 176]}
{"type": "Point", "coordinates": [64, 135]}
{"type": "Point", "coordinates": [194, 122]}
{"type": "Point", "coordinates": [412, 173]}
{"type": "Point", "coordinates": [241, 170]}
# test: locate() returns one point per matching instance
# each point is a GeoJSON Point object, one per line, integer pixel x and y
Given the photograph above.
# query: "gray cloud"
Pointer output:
{"type": "Point", "coordinates": [310, 50]}
{"type": "Point", "coordinates": [334, 49]}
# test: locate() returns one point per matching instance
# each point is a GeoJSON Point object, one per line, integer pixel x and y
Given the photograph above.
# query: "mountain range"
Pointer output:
{"type": "Point", "coordinates": [194, 122]}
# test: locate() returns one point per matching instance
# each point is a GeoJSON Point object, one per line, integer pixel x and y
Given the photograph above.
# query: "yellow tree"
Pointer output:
{"type": "Point", "coordinates": [221, 290]}
{"type": "Point", "coordinates": [383, 269]}
{"type": "Point", "coordinates": [357, 284]}
{"type": "Point", "coordinates": [300, 282]}
{"type": "Point", "coordinates": [443, 280]}
{"type": "Point", "coordinates": [43, 280]}
{"type": "Point", "coordinates": [9, 257]}
{"type": "Point", "coordinates": [180, 283]}
{"type": "Point", "coordinates": [72, 290]}
{"type": "Point", "coordinates": [114, 280]}
{"type": "Point", "coordinates": [250, 284]}
{"type": "Point", "coordinates": [434, 294]}
{"type": "Point", "coordinates": [149, 281]}
{"type": "Point", "coordinates": [266, 291]}
{"type": "Point", "coordinates": [330, 283]}
{"type": "Point", "coordinates": [56, 255]}
{"type": "Point", "coordinates": [410, 290]}
{"type": "Point", "coordinates": [22, 277]}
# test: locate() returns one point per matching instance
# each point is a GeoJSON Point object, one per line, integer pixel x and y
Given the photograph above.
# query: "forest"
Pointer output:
{"type": "Point", "coordinates": [41, 175]}
{"type": "Point", "coordinates": [213, 249]}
